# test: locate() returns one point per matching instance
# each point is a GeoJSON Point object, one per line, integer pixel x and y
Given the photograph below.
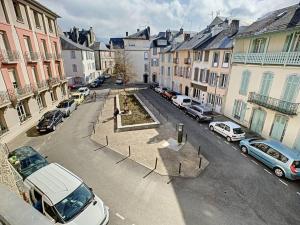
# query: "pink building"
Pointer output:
{"type": "Point", "coordinates": [32, 78]}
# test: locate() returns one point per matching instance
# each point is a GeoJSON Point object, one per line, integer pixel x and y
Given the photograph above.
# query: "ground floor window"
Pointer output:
{"type": "Point", "coordinates": [23, 111]}
{"type": "Point", "coordinates": [53, 95]}
{"type": "Point", "coordinates": [41, 101]}
{"type": "Point", "coordinates": [239, 109]}
{"type": "Point", "coordinates": [196, 93]}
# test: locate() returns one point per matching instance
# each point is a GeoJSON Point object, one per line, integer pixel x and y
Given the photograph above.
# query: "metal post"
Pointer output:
{"type": "Point", "coordinates": [106, 141]}
{"type": "Point", "coordinates": [186, 137]}
{"type": "Point", "coordinates": [129, 152]}
{"type": "Point", "coordinates": [200, 160]}
{"type": "Point", "coordinates": [199, 150]}
{"type": "Point", "coordinates": [94, 127]}
{"type": "Point", "coordinates": [155, 163]}
{"type": "Point", "coordinates": [179, 169]}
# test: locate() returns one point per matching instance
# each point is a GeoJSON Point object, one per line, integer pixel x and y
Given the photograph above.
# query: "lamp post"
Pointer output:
{"type": "Point", "coordinates": [215, 97]}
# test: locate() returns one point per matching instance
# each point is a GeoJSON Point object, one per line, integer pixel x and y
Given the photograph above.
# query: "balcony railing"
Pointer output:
{"type": "Point", "coordinates": [278, 105]}
{"type": "Point", "coordinates": [176, 60]}
{"type": "Point", "coordinates": [31, 56]}
{"type": "Point", "coordinates": [53, 81]}
{"type": "Point", "coordinates": [9, 56]}
{"type": "Point", "coordinates": [187, 61]}
{"type": "Point", "coordinates": [269, 58]}
{"type": "Point", "coordinates": [57, 57]}
{"type": "Point", "coordinates": [42, 85]}
{"type": "Point", "coordinates": [47, 56]}
{"type": "Point", "coordinates": [19, 93]}
{"type": "Point", "coordinates": [4, 98]}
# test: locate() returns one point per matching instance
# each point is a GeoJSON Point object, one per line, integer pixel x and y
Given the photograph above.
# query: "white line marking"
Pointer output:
{"type": "Point", "coordinates": [205, 128]}
{"type": "Point", "coordinates": [120, 216]}
{"type": "Point", "coordinates": [235, 149]}
{"type": "Point", "coordinates": [227, 142]}
{"type": "Point", "coordinates": [219, 142]}
{"type": "Point", "coordinates": [283, 182]}
{"type": "Point", "coordinates": [217, 136]}
{"type": "Point", "coordinates": [243, 155]}
{"type": "Point", "coordinates": [254, 162]}
{"type": "Point", "coordinates": [298, 193]}
{"type": "Point", "coordinates": [267, 171]}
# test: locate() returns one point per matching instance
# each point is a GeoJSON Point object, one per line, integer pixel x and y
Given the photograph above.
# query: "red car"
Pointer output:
{"type": "Point", "coordinates": [169, 94]}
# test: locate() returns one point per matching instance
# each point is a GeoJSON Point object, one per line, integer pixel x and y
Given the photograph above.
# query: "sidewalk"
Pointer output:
{"type": "Point", "coordinates": [148, 144]}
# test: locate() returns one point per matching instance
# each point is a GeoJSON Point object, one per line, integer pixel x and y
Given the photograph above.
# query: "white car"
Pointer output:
{"type": "Point", "coordinates": [64, 198]}
{"type": "Point", "coordinates": [84, 90]}
{"type": "Point", "coordinates": [228, 129]}
{"type": "Point", "coordinates": [181, 101]}
{"type": "Point", "coordinates": [119, 81]}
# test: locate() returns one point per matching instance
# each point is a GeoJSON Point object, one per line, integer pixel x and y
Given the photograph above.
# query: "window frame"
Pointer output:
{"type": "Point", "coordinates": [18, 12]}
{"type": "Point", "coordinates": [226, 64]}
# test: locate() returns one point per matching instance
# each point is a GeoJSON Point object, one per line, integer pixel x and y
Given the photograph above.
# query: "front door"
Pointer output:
{"type": "Point", "coordinates": [154, 78]}
{"type": "Point", "coordinates": [186, 91]}
{"type": "Point", "coordinates": [279, 127]}
{"type": "Point", "coordinates": [258, 120]}
{"type": "Point", "coordinates": [145, 78]}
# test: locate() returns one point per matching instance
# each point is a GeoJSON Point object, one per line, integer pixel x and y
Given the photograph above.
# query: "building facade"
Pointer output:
{"type": "Point", "coordinates": [104, 58]}
{"type": "Point", "coordinates": [79, 62]}
{"type": "Point", "coordinates": [263, 92]}
{"type": "Point", "coordinates": [32, 78]}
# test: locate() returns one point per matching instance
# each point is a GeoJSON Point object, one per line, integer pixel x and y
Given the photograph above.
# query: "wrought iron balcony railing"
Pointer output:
{"type": "Point", "coordinates": [42, 85]}
{"type": "Point", "coordinates": [269, 58]}
{"type": "Point", "coordinates": [53, 81]}
{"type": "Point", "coordinates": [57, 57]}
{"type": "Point", "coordinates": [47, 56]}
{"type": "Point", "coordinates": [176, 60]}
{"type": "Point", "coordinates": [9, 56]}
{"type": "Point", "coordinates": [278, 105]}
{"type": "Point", "coordinates": [31, 56]}
{"type": "Point", "coordinates": [4, 98]}
{"type": "Point", "coordinates": [187, 61]}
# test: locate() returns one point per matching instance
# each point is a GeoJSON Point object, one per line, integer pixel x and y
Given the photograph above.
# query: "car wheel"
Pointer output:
{"type": "Point", "coordinates": [211, 128]}
{"type": "Point", "coordinates": [198, 119]}
{"type": "Point", "coordinates": [279, 172]}
{"type": "Point", "coordinates": [228, 139]}
{"type": "Point", "coordinates": [54, 128]}
{"type": "Point", "coordinates": [244, 149]}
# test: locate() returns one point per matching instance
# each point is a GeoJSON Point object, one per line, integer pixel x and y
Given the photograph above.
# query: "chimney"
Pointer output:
{"type": "Point", "coordinates": [126, 33]}
{"type": "Point", "coordinates": [181, 30]}
{"type": "Point", "coordinates": [168, 34]}
{"type": "Point", "coordinates": [137, 30]}
{"type": "Point", "coordinates": [234, 26]}
{"type": "Point", "coordinates": [186, 37]}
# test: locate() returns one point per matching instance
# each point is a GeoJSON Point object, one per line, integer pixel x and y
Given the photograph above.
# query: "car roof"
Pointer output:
{"type": "Point", "coordinates": [230, 124]}
{"type": "Point", "coordinates": [23, 152]}
{"type": "Point", "coordinates": [282, 148]}
{"type": "Point", "coordinates": [183, 96]}
{"type": "Point", "coordinates": [76, 93]}
{"type": "Point", "coordinates": [55, 182]}
{"type": "Point", "coordinates": [51, 113]}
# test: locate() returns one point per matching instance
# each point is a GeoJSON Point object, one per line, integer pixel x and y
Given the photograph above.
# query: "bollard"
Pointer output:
{"type": "Point", "coordinates": [129, 152]}
{"type": "Point", "coordinates": [179, 169]}
{"type": "Point", "coordinates": [199, 150]}
{"type": "Point", "coordinates": [155, 163]}
{"type": "Point", "coordinates": [106, 141]}
{"type": "Point", "coordinates": [186, 137]}
{"type": "Point", "coordinates": [200, 162]}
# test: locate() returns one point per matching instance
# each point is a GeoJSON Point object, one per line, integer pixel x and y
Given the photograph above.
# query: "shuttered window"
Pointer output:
{"type": "Point", "coordinates": [287, 43]}
{"type": "Point", "coordinates": [278, 127]}
{"type": "Point", "coordinates": [239, 109]}
{"type": "Point", "coordinates": [291, 90]}
{"type": "Point", "coordinates": [265, 84]}
{"type": "Point", "coordinates": [245, 82]}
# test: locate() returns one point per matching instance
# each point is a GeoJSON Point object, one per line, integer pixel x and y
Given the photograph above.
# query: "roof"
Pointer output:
{"type": "Point", "coordinates": [223, 40]}
{"type": "Point", "coordinates": [15, 211]}
{"type": "Point", "coordinates": [231, 124]}
{"type": "Point", "coordinates": [142, 34]}
{"type": "Point", "coordinates": [39, 5]}
{"type": "Point", "coordinates": [55, 182]}
{"type": "Point", "coordinates": [68, 44]}
{"type": "Point", "coordinates": [278, 20]}
{"type": "Point", "coordinates": [100, 46]}
{"type": "Point", "coordinates": [117, 42]}
{"type": "Point", "coordinates": [283, 149]}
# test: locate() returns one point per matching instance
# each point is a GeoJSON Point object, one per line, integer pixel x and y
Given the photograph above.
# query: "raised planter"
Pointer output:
{"type": "Point", "coordinates": [138, 126]}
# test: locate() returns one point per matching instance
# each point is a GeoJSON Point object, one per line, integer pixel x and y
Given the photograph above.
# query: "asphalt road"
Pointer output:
{"type": "Point", "coordinates": [233, 190]}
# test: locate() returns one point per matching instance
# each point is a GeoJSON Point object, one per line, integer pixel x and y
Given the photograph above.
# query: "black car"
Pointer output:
{"type": "Point", "coordinates": [154, 85]}
{"type": "Point", "coordinates": [96, 83]}
{"type": "Point", "coordinates": [50, 120]}
{"type": "Point", "coordinates": [26, 160]}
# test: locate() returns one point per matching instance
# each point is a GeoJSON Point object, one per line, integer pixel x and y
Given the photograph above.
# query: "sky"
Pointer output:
{"type": "Point", "coordinates": [112, 18]}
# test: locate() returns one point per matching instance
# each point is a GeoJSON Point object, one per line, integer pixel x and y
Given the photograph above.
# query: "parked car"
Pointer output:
{"type": "Point", "coordinates": [107, 76]}
{"type": "Point", "coordinates": [50, 120]}
{"type": "Point", "coordinates": [181, 101]}
{"type": "Point", "coordinates": [168, 94]}
{"type": "Point", "coordinates": [15, 211]}
{"type": "Point", "coordinates": [67, 106]}
{"type": "Point", "coordinates": [96, 83]}
{"type": "Point", "coordinates": [101, 78]}
{"type": "Point", "coordinates": [154, 85]}
{"type": "Point", "coordinates": [285, 162]}
{"type": "Point", "coordinates": [78, 97]}
{"type": "Point", "coordinates": [160, 90]}
{"type": "Point", "coordinates": [64, 198]}
{"type": "Point", "coordinates": [26, 160]}
{"type": "Point", "coordinates": [200, 113]}
{"type": "Point", "coordinates": [230, 130]}
{"type": "Point", "coordinates": [75, 86]}
{"type": "Point", "coordinates": [84, 90]}
{"type": "Point", "coordinates": [119, 81]}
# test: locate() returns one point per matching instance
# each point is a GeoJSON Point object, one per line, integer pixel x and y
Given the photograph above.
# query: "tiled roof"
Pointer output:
{"type": "Point", "coordinates": [224, 40]}
{"type": "Point", "coordinates": [99, 46]}
{"type": "Point", "coordinates": [68, 44]}
{"type": "Point", "coordinates": [282, 19]}
{"type": "Point", "coordinates": [143, 34]}
{"type": "Point", "coordinates": [117, 42]}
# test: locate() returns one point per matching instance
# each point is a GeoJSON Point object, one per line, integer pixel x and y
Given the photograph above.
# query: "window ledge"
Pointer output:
{"type": "Point", "coordinates": [20, 20]}
{"type": "Point", "coordinates": [27, 119]}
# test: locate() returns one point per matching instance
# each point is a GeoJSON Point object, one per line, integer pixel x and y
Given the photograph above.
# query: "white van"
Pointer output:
{"type": "Point", "coordinates": [64, 198]}
{"type": "Point", "coordinates": [181, 101]}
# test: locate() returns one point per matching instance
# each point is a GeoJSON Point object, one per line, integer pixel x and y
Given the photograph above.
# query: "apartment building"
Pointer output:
{"type": "Point", "coordinates": [263, 92]}
{"type": "Point", "coordinates": [79, 62]}
{"type": "Point", "coordinates": [136, 50]}
{"type": "Point", "coordinates": [104, 58]}
{"type": "Point", "coordinates": [32, 77]}
{"type": "Point", "coordinates": [211, 68]}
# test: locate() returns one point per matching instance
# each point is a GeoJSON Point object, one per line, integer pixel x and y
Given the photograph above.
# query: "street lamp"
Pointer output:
{"type": "Point", "coordinates": [215, 97]}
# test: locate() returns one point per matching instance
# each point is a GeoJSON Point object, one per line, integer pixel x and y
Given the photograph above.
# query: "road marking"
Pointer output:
{"type": "Point", "coordinates": [234, 148]}
{"type": "Point", "coordinates": [254, 162]}
{"type": "Point", "coordinates": [205, 128]}
{"type": "Point", "coordinates": [219, 142]}
{"type": "Point", "coordinates": [243, 155]}
{"type": "Point", "coordinates": [268, 171]}
{"type": "Point", "coordinates": [120, 216]}
{"type": "Point", "coordinates": [227, 142]}
{"type": "Point", "coordinates": [283, 182]}
{"type": "Point", "coordinates": [217, 136]}
{"type": "Point", "coordinates": [298, 193]}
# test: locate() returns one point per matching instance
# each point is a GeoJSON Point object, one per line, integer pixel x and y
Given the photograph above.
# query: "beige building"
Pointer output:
{"type": "Point", "coordinates": [32, 78]}
{"type": "Point", "coordinates": [263, 92]}
{"type": "Point", "coordinates": [104, 58]}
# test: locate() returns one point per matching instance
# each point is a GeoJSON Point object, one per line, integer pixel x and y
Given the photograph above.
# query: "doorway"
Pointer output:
{"type": "Point", "coordinates": [145, 78]}
{"type": "Point", "coordinates": [258, 120]}
{"type": "Point", "coordinates": [186, 91]}
{"type": "Point", "coordinates": [154, 78]}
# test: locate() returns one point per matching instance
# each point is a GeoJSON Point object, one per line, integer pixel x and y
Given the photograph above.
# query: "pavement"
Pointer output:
{"type": "Point", "coordinates": [154, 148]}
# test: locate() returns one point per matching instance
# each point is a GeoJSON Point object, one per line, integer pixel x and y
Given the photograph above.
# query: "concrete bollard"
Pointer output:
{"type": "Point", "coordinates": [155, 163]}
{"type": "Point", "coordinates": [129, 151]}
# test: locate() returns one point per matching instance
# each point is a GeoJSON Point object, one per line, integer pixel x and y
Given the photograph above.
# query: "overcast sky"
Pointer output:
{"type": "Point", "coordinates": [112, 18]}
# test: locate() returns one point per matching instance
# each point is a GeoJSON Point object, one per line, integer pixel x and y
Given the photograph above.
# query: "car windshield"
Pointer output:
{"type": "Point", "coordinates": [48, 117]}
{"type": "Point", "coordinates": [207, 113]}
{"type": "Point", "coordinates": [186, 100]}
{"type": "Point", "coordinates": [238, 131]}
{"type": "Point", "coordinates": [81, 90]}
{"type": "Point", "coordinates": [74, 203]}
{"type": "Point", "coordinates": [255, 139]}
{"type": "Point", "coordinates": [63, 105]}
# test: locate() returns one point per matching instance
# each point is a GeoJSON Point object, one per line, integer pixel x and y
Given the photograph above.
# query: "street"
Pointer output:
{"type": "Point", "coordinates": [235, 189]}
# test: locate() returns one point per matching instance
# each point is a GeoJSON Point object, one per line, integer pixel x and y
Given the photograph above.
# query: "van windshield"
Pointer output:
{"type": "Point", "coordinates": [186, 100]}
{"type": "Point", "coordinates": [74, 203]}
{"type": "Point", "coordinates": [238, 131]}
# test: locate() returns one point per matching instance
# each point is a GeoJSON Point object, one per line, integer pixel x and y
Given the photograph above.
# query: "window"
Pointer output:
{"type": "Point", "coordinates": [44, 45]}
{"type": "Point", "coordinates": [223, 80]}
{"type": "Point", "coordinates": [50, 25]}
{"type": "Point", "coordinates": [50, 211]}
{"type": "Point", "coordinates": [74, 66]}
{"type": "Point", "coordinates": [4, 41]}
{"type": "Point", "coordinates": [265, 84]}
{"type": "Point", "coordinates": [297, 43]}
{"type": "Point", "coordinates": [145, 55]}
{"type": "Point", "coordinates": [226, 59]}
{"type": "Point", "coordinates": [18, 11]}
{"type": "Point", "coordinates": [245, 82]}
{"type": "Point", "coordinates": [227, 128]}
{"type": "Point", "coordinates": [287, 43]}
{"type": "Point", "coordinates": [13, 78]}
{"type": "Point", "coordinates": [162, 57]}
{"type": "Point", "coordinates": [169, 58]}
{"type": "Point", "coordinates": [23, 111]}
{"type": "Point", "coordinates": [206, 56]}
{"type": "Point", "coordinates": [198, 56]}
{"type": "Point", "coordinates": [4, 11]}
{"type": "Point", "coordinates": [196, 74]}
{"type": "Point", "coordinates": [212, 81]}
{"type": "Point", "coordinates": [169, 71]}
{"type": "Point", "coordinates": [258, 45]}
{"type": "Point", "coordinates": [154, 52]}
{"type": "Point", "coordinates": [162, 70]}
{"type": "Point", "coordinates": [146, 67]}
{"type": "Point", "coordinates": [291, 89]}
{"type": "Point", "coordinates": [239, 109]}
{"type": "Point", "coordinates": [36, 19]}
{"type": "Point", "coordinates": [215, 61]}
{"type": "Point", "coordinates": [73, 56]}
{"type": "Point", "coordinates": [188, 72]}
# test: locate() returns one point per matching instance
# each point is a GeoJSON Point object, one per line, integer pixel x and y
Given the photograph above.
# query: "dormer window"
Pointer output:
{"type": "Point", "coordinates": [258, 45]}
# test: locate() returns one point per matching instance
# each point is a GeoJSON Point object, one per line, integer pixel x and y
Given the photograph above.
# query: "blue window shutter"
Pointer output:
{"type": "Point", "coordinates": [266, 83]}
{"type": "Point", "coordinates": [245, 82]}
{"type": "Point", "coordinates": [243, 111]}
{"type": "Point", "coordinates": [291, 89]}
{"type": "Point", "coordinates": [234, 107]}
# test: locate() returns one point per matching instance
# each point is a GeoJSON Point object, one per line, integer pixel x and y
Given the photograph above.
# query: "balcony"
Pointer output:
{"type": "Point", "coordinates": [32, 57]}
{"type": "Point", "coordinates": [269, 58]}
{"type": "Point", "coordinates": [20, 93]}
{"type": "Point", "coordinates": [42, 85]}
{"type": "Point", "coordinates": [9, 57]}
{"type": "Point", "coordinates": [47, 56]}
{"type": "Point", "coordinates": [176, 60]}
{"type": "Point", "coordinates": [278, 105]}
{"type": "Point", "coordinates": [187, 61]}
{"type": "Point", "coordinates": [4, 99]}
{"type": "Point", "coordinates": [53, 81]}
{"type": "Point", "coordinates": [57, 57]}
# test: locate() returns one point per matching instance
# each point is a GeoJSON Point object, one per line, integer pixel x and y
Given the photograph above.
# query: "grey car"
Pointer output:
{"type": "Point", "coordinates": [200, 113]}
{"type": "Point", "coordinates": [67, 106]}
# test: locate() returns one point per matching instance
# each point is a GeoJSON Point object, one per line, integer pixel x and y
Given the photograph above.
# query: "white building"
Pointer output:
{"type": "Point", "coordinates": [136, 48]}
{"type": "Point", "coordinates": [79, 62]}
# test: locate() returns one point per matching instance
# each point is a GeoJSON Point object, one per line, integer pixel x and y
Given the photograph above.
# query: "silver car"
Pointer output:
{"type": "Point", "coordinates": [199, 113]}
{"type": "Point", "coordinates": [67, 107]}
